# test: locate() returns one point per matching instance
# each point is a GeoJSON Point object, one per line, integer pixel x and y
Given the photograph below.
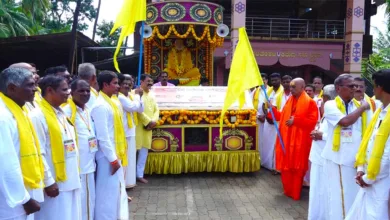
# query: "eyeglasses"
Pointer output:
{"type": "Point", "coordinates": [352, 86]}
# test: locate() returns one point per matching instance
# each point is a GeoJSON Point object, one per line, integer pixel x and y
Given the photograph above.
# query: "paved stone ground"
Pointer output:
{"type": "Point", "coordinates": [215, 196]}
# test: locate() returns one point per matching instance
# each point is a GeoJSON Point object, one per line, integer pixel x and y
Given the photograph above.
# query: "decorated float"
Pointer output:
{"type": "Point", "coordinates": [180, 39]}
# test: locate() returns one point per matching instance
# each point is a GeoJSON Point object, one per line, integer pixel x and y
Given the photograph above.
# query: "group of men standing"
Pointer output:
{"type": "Point", "coordinates": [336, 138]}
{"type": "Point", "coordinates": [68, 148]}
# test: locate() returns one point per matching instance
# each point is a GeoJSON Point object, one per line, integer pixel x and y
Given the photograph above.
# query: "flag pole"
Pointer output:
{"type": "Point", "coordinates": [274, 120]}
{"type": "Point", "coordinates": [141, 48]}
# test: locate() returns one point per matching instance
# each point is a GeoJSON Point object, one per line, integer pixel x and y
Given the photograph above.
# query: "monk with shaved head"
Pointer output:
{"type": "Point", "coordinates": [297, 119]}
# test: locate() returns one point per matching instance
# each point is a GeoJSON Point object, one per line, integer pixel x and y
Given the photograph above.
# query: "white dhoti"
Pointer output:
{"type": "Point", "coordinates": [317, 195]}
{"type": "Point", "coordinates": [66, 206]}
{"type": "Point", "coordinates": [108, 191]}
{"type": "Point", "coordinates": [130, 170]}
{"type": "Point", "coordinates": [88, 196]}
{"type": "Point", "coordinates": [307, 176]}
{"type": "Point", "coordinates": [267, 152]}
{"type": "Point", "coordinates": [371, 203]}
{"type": "Point", "coordinates": [341, 189]}
{"type": "Point", "coordinates": [141, 161]}
{"type": "Point", "coordinates": [22, 217]}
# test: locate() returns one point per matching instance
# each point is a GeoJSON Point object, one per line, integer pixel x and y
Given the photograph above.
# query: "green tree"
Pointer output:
{"type": "Point", "coordinates": [380, 59]}
{"type": "Point", "coordinates": [13, 22]}
{"type": "Point", "coordinates": [103, 32]}
{"type": "Point", "coordinates": [61, 13]}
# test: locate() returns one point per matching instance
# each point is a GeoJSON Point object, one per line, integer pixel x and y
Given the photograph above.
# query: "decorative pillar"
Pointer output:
{"type": "Point", "coordinates": [354, 37]}
{"type": "Point", "coordinates": [238, 20]}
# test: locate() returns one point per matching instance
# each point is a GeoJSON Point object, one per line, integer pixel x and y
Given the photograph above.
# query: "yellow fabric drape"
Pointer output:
{"type": "Point", "coordinates": [56, 142]}
{"type": "Point", "coordinates": [119, 132]}
{"type": "Point", "coordinates": [278, 96]}
{"type": "Point", "coordinates": [135, 116]}
{"type": "Point", "coordinates": [256, 98]}
{"type": "Point", "coordinates": [176, 162]}
{"type": "Point", "coordinates": [30, 152]}
{"type": "Point", "coordinates": [370, 102]}
{"type": "Point", "coordinates": [374, 163]}
{"type": "Point", "coordinates": [94, 92]}
{"type": "Point", "coordinates": [337, 131]}
{"type": "Point", "coordinates": [321, 94]}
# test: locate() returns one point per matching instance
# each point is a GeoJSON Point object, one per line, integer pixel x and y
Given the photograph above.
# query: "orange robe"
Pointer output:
{"type": "Point", "coordinates": [293, 164]}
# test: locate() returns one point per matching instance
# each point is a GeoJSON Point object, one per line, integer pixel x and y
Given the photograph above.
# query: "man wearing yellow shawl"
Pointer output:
{"type": "Point", "coordinates": [132, 106]}
{"type": "Point", "coordinates": [79, 114]}
{"type": "Point", "coordinates": [373, 159]}
{"type": "Point", "coordinates": [258, 98]}
{"type": "Point", "coordinates": [110, 182]}
{"type": "Point", "coordinates": [277, 97]}
{"type": "Point", "coordinates": [360, 93]}
{"type": "Point", "coordinates": [59, 149]}
{"type": "Point", "coordinates": [21, 166]}
{"type": "Point", "coordinates": [87, 72]}
{"type": "Point", "coordinates": [318, 92]}
{"type": "Point", "coordinates": [147, 121]}
{"type": "Point", "coordinates": [347, 120]}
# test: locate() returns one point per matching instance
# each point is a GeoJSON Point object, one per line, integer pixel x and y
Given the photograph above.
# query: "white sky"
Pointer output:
{"type": "Point", "coordinates": [111, 8]}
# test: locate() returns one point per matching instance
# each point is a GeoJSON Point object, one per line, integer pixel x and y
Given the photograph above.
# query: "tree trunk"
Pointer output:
{"type": "Point", "coordinates": [72, 51]}
{"type": "Point", "coordinates": [96, 20]}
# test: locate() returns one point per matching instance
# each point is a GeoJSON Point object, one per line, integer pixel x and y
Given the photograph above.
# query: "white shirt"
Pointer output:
{"type": "Point", "coordinates": [103, 118]}
{"type": "Point", "coordinates": [72, 162]}
{"type": "Point", "coordinates": [83, 120]}
{"type": "Point", "coordinates": [385, 163]}
{"type": "Point", "coordinates": [318, 146]}
{"type": "Point", "coordinates": [130, 106]}
{"type": "Point", "coordinates": [13, 192]}
{"type": "Point", "coordinates": [347, 152]}
{"type": "Point", "coordinates": [92, 99]}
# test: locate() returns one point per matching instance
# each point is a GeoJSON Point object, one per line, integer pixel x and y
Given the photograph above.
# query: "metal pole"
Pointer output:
{"type": "Point", "coordinates": [141, 48]}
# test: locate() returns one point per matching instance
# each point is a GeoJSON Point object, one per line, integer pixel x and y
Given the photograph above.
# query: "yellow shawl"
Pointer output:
{"type": "Point", "coordinates": [30, 152]}
{"type": "Point", "coordinates": [56, 142]}
{"type": "Point", "coordinates": [135, 116]}
{"type": "Point", "coordinates": [119, 132]}
{"type": "Point", "coordinates": [337, 130]}
{"type": "Point", "coordinates": [278, 96]}
{"type": "Point", "coordinates": [374, 163]}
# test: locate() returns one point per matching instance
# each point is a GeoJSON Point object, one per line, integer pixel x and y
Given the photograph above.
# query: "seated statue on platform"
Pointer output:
{"type": "Point", "coordinates": [180, 62]}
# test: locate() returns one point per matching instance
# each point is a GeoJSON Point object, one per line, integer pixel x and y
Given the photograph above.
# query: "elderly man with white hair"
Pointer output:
{"type": "Point", "coordinates": [87, 72]}
{"type": "Point", "coordinates": [317, 196]}
{"type": "Point", "coordinates": [22, 171]}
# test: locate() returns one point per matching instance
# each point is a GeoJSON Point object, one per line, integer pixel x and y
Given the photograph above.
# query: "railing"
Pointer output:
{"type": "Point", "coordinates": [285, 28]}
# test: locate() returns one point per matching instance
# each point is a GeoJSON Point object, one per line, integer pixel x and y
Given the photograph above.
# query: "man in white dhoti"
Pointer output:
{"type": "Point", "coordinates": [59, 150]}
{"type": "Point", "coordinates": [317, 196]}
{"type": "Point", "coordinates": [131, 105]}
{"type": "Point", "coordinates": [277, 97]}
{"type": "Point", "coordinates": [87, 72]}
{"type": "Point", "coordinates": [21, 167]}
{"type": "Point", "coordinates": [110, 183]}
{"type": "Point", "coordinates": [347, 119]}
{"type": "Point", "coordinates": [259, 99]}
{"type": "Point", "coordinates": [373, 159]}
{"type": "Point", "coordinates": [79, 114]}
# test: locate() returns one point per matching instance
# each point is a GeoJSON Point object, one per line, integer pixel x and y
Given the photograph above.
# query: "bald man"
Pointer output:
{"type": "Point", "coordinates": [297, 119]}
{"type": "Point", "coordinates": [29, 106]}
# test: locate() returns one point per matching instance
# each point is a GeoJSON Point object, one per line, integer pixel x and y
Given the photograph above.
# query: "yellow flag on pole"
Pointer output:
{"type": "Point", "coordinates": [131, 12]}
{"type": "Point", "coordinates": [244, 74]}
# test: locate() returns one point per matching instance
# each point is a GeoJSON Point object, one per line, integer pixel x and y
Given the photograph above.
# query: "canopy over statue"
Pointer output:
{"type": "Point", "coordinates": [182, 39]}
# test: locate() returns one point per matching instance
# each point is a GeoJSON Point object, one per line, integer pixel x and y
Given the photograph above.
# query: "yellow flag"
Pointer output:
{"type": "Point", "coordinates": [244, 74]}
{"type": "Point", "coordinates": [131, 12]}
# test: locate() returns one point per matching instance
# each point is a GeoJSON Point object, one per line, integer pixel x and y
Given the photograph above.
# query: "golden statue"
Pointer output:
{"type": "Point", "coordinates": [180, 63]}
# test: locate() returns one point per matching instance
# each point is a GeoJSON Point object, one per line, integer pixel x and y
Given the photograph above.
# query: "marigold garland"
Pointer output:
{"type": "Point", "coordinates": [176, 117]}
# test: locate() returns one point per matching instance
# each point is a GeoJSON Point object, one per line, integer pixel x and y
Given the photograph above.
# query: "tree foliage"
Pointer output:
{"type": "Point", "coordinates": [13, 22]}
{"type": "Point", "coordinates": [103, 32]}
{"type": "Point", "coordinates": [380, 59]}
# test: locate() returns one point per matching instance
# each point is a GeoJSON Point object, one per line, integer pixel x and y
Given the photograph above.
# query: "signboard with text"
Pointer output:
{"type": "Point", "coordinates": [195, 98]}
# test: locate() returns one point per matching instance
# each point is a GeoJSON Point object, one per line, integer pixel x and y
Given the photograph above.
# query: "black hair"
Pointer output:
{"type": "Point", "coordinates": [105, 76]}
{"type": "Point", "coordinates": [121, 78]}
{"type": "Point", "coordinates": [275, 75]}
{"type": "Point", "coordinates": [311, 86]}
{"type": "Point", "coordinates": [382, 79]}
{"type": "Point", "coordinates": [51, 81]}
{"type": "Point", "coordinates": [317, 77]}
{"type": "Point", "coordinates": [264, 75]}
{"type": "Point", "coordinates": [74, 84]}
{"type": "Point", "coordinates": [56, 69]}
{"type": "Point", "coordinates": [144, 76]}
{"type": "Point", "coordinates": [287, 77]}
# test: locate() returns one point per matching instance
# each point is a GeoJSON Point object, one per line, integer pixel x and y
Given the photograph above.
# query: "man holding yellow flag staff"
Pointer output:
{"type": "Point", "coordinates": [59, 150]}
{"type": "Point", "coordinates": [373, 159]}
{"type": "Point", "coordinates": [21, 167]}
{"type": "Point", "coordinates": [111, 155]}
